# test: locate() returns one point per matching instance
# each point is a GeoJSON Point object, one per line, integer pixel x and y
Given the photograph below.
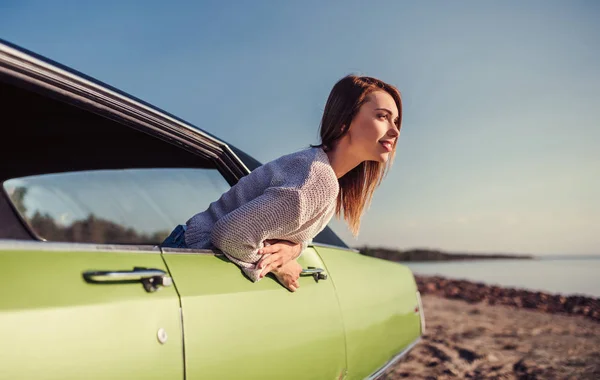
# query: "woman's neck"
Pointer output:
{"type": "Point", "coordinates": [342, 160]}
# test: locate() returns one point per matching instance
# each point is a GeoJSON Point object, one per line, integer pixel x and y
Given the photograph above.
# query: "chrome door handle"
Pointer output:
{"type": "Point", "coordinates": [152, 279]}
{"type": "Point", "coordinates": [317, 273]}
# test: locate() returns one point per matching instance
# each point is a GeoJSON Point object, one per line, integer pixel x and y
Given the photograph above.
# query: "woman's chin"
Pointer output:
{"type": "Point", "coordinates": [383, 157]}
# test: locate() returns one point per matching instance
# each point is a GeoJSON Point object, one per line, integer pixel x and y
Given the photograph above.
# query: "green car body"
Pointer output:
{"type": "Point", "coordinates": [86, 307]}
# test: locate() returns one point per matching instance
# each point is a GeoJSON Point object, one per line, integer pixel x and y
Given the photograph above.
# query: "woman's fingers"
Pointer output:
{"type": "Point", "coordinates": [268, 249]}
{"type": "Point", "coordinates": [274, 263]}
{"type": "Point", "coordinates": [265, 262]}
{"type": "Point", "coordinates": [288, 275]}
{"type": "Point", "coordinates": [293, 286]}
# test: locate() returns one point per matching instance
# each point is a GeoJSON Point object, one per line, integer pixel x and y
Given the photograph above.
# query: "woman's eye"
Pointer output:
{"type": "Point", "coordinates": [382, 116]}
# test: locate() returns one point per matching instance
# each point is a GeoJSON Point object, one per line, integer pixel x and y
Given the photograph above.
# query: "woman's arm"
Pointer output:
{"type": "Point", "coordinates": [278, 212]}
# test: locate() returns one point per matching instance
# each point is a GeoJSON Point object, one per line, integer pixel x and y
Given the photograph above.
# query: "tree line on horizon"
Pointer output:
{"type": "Point", "coordinates": [421, 254]}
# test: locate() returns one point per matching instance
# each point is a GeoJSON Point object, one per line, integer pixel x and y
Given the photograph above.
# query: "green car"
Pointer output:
{"type": "Point", "coordinates": [92, 181]}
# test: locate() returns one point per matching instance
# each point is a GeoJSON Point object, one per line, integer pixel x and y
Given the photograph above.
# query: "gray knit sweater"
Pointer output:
{"type": "Point", "coordinates": [291, 198]}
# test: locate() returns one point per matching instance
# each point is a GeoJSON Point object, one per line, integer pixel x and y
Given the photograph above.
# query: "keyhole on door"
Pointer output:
{"type": "Point", "coordinates": [162, 336]}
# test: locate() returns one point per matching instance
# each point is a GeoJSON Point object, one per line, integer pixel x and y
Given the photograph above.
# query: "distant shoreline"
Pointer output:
{"type": "Point", "coordinates": [423, 255]}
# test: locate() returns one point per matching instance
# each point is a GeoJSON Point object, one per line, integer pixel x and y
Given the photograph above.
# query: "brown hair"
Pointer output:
{"type": "Point", "coordinates": [358, 185]}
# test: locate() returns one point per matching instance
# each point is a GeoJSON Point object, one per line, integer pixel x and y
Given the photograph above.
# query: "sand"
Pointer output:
{"type": "Point", "coordinates": [481, 341]}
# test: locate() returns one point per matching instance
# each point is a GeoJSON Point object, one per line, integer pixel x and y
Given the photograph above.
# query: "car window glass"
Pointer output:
{"type": "Point", "coordinates": [133, 206]}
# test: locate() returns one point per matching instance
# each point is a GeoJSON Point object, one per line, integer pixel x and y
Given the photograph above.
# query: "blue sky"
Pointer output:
{"type": "Point", "coordinates": [500, 147]}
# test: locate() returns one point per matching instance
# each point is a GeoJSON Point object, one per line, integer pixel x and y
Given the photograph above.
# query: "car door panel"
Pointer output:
{"type": "Point", "coordinates": [58, 326]}
{"type": "Point", "coordinates": [238, 329]}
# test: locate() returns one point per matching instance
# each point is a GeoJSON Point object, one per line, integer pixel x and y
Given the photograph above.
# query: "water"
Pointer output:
{"type": "Point", "coordinates": [565, 276]}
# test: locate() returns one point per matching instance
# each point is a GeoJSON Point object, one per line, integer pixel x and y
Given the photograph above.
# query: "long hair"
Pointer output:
{"type": "Point", "coordinates": [358, 185]}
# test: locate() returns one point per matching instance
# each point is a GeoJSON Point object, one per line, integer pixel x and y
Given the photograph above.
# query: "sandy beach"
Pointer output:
{"type": "Point", "coordinates": [479, 340]}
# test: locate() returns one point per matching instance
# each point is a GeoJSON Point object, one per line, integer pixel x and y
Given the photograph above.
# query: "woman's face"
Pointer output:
{"type": "Point", "coordinates": [373, 132]}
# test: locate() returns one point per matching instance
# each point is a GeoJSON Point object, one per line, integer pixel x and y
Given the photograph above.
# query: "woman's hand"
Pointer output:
{"type": "Point", "coordinates": [288, 275]}
{"type": "Point", "coordinates": [280, 253]}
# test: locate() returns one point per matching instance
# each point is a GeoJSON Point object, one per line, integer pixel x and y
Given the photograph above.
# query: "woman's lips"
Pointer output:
{"type": "Point", "coordinates": [387, 145]}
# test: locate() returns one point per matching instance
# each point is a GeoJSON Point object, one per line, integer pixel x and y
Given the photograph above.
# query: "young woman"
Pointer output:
{"type": "Point", "coordinates": [265, 221]}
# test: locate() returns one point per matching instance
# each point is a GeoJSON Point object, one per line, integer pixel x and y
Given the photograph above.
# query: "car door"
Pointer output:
{"type": "Point", "coordinates": [74, 306]}
{"type": "Point", "coordinates": [55, 324]}
{"type": "Point", "coordinates": [237, 329]}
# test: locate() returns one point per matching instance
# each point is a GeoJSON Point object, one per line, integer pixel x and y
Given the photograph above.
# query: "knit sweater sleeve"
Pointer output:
{"type": "Point", "coordinates": [277, 212]}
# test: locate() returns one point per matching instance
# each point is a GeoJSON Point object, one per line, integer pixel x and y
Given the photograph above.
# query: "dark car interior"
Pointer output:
{"type": "Point", "coordinates": [43, 135]}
